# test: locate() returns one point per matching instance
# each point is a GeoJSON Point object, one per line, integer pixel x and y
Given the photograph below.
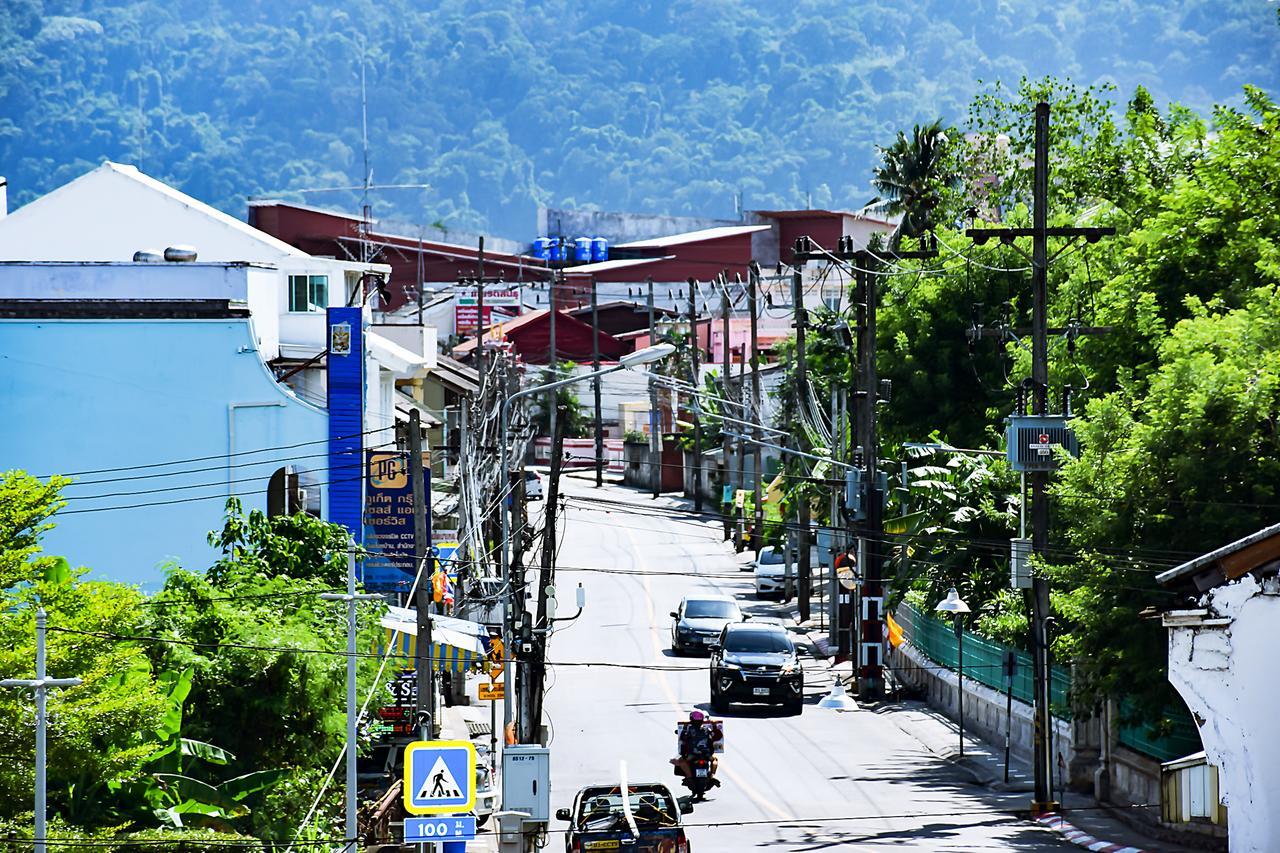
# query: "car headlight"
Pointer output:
{"type": "Point", "coordinates": [728, 665]}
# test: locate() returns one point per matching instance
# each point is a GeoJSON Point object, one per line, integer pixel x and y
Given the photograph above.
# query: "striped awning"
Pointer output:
{"type": "Point", "coordinates": [456, 644]}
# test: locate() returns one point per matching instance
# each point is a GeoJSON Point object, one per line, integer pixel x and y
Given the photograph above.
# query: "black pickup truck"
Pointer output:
{"type": "Point", "coordinates": [598, 820]}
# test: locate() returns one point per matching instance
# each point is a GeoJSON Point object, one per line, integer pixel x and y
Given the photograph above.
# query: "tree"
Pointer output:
{"type": "Point", "coordinates": [572, 417]}
{"type": "Point", "coordinates": [911, 177]}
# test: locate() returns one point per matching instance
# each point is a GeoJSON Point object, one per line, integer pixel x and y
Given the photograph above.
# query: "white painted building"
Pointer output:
{"type": "Point", "coordinates": [1222, 662]}
{"type": "Point", "coordinates": [115, 210]}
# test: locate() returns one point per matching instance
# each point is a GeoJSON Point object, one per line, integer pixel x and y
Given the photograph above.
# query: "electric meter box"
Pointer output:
{"type": "Point", "coordinates": [526, 781]}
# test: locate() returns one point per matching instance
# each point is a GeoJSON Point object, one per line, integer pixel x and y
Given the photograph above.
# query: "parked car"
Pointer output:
{"type": "Point", "coordinates": [532, 486]}
{"type": "Point", "coordinates": [754, 662]}
{"type": "Point", "coordinates": [598, 821]}
{"type": "Point", "coordinates": [486, 790]}
{"type": "Point", "coordinates": [700, 619]}
{"type": "Point", "coordinates": [770, 571]}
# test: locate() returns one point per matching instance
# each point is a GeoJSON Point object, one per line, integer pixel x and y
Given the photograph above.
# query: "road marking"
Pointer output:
{"type": "Point", "coordinates": [760, 800]}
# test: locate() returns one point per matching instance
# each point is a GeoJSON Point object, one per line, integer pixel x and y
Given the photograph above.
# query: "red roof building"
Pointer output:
{"type": "Point", "coordinates": [530, 338]}
{"type": "Point", "coordinates": [413, 262]}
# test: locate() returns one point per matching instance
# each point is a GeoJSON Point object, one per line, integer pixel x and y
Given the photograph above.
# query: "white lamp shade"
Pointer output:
{"type": "Point", "coordinates": [953, 603]}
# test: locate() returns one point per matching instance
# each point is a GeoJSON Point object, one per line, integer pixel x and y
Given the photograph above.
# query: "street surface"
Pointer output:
{"type": "Point", "coordinates": [819, 781]}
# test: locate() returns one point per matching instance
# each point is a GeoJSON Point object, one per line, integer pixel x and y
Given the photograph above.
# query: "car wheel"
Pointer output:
{"type": "Point", "coordinates": [793, 707]}
{"type": "Point", "coordinates": [481, 819]}
{"type": "Point", "coordinates": [718, 704]}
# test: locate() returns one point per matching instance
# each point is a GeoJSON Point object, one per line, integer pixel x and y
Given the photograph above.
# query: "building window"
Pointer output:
{"type": "Point", "coordinates": [308, 292]}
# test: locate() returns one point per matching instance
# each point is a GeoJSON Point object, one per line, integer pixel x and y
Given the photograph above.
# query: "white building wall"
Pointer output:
{"type": "Point", "coordinates": [1223, 664]}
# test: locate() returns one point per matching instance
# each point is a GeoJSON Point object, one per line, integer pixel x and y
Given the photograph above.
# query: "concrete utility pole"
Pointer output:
{"type": "Point", "coordinates": [655, 422]}
{"type": "Point", "coordinates": [1040, 607]}
{"type": "Point", "coordinates": [757, 410]}
{"type": "Point", "coordinates": [480, 330]}
{"type": "Point", "coordinates": [422, 562]}
{"type": "Point", "coordinates": [40, 687]}
{"type": "Point", "coordinates": [532, 715]}
{"type": "Point", "coordinates": [801, 390]}
{"type": "Point", "coordinates": [553, 360]}
{"type": "Point", "coordinates": [352, 599]}
{"type": "Point", "coordinates": [697, 421]}
{"type": "Point", "coordinates": [595, 384]}
{"type": "Point", "coordinates": [727, 498]}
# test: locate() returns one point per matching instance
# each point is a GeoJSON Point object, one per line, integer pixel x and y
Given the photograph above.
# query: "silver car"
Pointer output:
{"type": "Point", "coordinates": [699, 621]}
{"type": "Point", "coordinates": [770, 572]}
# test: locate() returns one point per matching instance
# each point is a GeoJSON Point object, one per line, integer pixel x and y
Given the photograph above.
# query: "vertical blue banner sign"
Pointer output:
{"type": "Point", "coordinates": [388, 520]}
{"type": "Point", "coordinates": [346, 418]}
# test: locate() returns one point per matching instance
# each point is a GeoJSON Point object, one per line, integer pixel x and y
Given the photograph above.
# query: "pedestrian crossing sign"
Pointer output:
{"type": "Point", "coordinates": [439, 777]}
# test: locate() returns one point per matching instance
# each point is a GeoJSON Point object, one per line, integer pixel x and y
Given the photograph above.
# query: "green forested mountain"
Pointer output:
{"type": "Point", "coordinates": [624, 104]}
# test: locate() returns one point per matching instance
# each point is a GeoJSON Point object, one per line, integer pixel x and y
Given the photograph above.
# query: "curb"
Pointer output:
{"type": "Point", "coordinates": [1080, 838]}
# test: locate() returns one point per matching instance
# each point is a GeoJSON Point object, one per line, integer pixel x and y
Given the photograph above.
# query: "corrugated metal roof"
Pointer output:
{"type": "Point", "coordinates": [1192, 566]}
{"type": "Point", "coordinates": [618, 264]}
{"type": "Point", "coordinates": [719, 233]}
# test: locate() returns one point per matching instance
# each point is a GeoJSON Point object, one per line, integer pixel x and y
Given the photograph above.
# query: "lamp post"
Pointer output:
{"type": "Point", "coordinates": [657, 352]}
{"type": "Point", "coordinates": [955, 605]}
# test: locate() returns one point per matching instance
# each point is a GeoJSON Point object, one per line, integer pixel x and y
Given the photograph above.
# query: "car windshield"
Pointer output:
{"type": "Point", "coordinates": [651, 806]}
{"type": "Point", "coordinates": [757, 641]}
{"type": "Point", "coordinates": [769, 557]}
{"type": "Point", "coordinates": [710, 610]}
{"type": "Point", "coordinates": [531, 475]}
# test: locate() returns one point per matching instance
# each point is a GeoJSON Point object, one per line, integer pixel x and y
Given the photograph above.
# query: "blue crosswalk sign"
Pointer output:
{"type": "Point", "coordinates": [439, 777]}
{"type": "Point", "coordinates": [420, 830]}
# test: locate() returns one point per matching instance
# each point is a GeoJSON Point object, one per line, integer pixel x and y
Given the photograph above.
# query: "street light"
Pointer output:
{"type": "Point", "coordinates": [955, 605]}
{"type": "Point", "coordinates": [648, 355]}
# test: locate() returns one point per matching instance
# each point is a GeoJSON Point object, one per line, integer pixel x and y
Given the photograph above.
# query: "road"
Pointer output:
{"type": "Point", "coordinates": [822, 780]}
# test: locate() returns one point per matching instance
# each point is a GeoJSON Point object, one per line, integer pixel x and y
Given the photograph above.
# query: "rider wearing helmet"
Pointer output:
{"type": "Point", "coordinates": [699, 738]}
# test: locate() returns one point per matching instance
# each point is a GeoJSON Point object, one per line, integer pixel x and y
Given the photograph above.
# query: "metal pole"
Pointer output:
{"type": "Point", "coordinates": [352, 599]}
{"type": "Point", "coordinates": [40, 687]}
{"type": "Point", "coordinates": [803, 568]}
{"type": "Point", "coordinates": [960, 678]}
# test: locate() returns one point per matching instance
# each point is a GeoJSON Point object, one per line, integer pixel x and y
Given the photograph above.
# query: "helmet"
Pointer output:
{"type": "Point", "coordinates": [697, 716]}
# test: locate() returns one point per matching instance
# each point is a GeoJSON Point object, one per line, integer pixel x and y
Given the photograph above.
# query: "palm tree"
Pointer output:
{"type": "Point", "coordinates": [911, 177]}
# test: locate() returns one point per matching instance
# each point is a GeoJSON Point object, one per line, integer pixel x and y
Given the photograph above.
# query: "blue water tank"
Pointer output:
{"type": "Point", "coordinates": [582, 249]}
{"type": "Point", "coordinates": [557, 251]}
{"type": "Point", "coordinates": [542, 248]}
{"type": "Point", "coordinates": [599, 249]}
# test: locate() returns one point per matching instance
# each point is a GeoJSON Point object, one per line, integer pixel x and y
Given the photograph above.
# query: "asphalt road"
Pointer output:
{"type": "Point", "coordinates": [822, 780]}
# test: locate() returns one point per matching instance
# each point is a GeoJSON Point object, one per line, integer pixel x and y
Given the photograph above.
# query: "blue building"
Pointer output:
{"type": "Point", "coordinates": [148, 384]}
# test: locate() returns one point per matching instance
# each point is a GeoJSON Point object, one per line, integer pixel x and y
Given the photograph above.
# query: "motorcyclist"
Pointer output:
{"type": "Point", "coordinates": [698, 738]}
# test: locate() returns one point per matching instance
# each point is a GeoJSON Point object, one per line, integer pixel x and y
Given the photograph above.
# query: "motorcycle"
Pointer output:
{"type": "Point", "coordinates": [697, 772]}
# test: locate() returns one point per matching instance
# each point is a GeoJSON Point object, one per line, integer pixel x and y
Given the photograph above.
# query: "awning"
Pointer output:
{"type": "Point", "coordinates": [456, 644]}
{"type": "Point", "coordinates": [405, 404]}
{"type": "Point", "coordinates": [394, 357]}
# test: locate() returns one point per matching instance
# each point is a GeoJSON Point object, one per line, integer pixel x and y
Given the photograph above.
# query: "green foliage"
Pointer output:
{"type": "Point", "coordinates": [662, 107]}
{"type": "Point", "coordinates": [572, 415]}
{"type": "Point", "coordinates": [26, 504]}
{"type": "Point", "coordinates": [913, 175]}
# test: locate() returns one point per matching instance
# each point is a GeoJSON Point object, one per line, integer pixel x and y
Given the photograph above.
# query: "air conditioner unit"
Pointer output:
{"type": "Point", "coordinates": [1032, 441]}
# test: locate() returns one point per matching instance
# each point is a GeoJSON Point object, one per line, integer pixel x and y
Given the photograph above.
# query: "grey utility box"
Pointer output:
{"type": "Point", "coordinates": [526, 781]}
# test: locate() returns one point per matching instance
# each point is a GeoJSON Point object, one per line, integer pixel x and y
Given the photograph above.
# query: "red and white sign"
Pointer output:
{"type": "Point", "coordinates": [504, 298]}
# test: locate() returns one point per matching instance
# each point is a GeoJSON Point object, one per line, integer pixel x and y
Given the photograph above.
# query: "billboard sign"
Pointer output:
{"type": "Point", "coordinates": [501, 302]}
{"type": "Point", "coordinates": [388, 522]}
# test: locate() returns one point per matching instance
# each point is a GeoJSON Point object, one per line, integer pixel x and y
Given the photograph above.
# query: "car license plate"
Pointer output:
{"type": "Point", "coordinates": [607, 844]}
{"type": "Point", "coordinates": [760, 691]}
{"type": "Point", "coordinates": [701, 771]}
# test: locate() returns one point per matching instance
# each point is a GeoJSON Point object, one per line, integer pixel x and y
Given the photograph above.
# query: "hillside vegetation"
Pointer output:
{"type": "Point", "coordinates": [668, 107]}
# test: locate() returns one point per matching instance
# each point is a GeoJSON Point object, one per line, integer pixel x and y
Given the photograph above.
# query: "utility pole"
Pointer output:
{"type": "Point", "coordinates": [655, 424]}
{"type": "Point", "coordinates": [803, 569]}
{"type": "Point", "coordinates": [40, 686]}
{"type": "Point", "coordinates": [480, 329]}
{"type": "Point", "coordinates": [553, 410]}
{"type": "Point", "coordinates": [697, 421]}
{"type": "Point", "coordinates": [595, 383]}
{"type": "Point", "coordinates": [422, 562]}
{"type": "Point", "coordinates": [726, 503]}
{"type": "Point", "coordinates": [757, 522]}
{"type": "Point", "coordinates": [353, 599]}
{"type": "Point", "coordinates": [547, 579]}
{"type": "Point", "coordinates": [1040, 607]}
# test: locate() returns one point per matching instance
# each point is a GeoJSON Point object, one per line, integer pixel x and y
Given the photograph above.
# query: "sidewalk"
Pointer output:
{"type": "Point", "coordinates": [1083, 821]}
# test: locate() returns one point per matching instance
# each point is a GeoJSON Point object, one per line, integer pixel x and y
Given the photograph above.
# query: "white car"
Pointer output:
{"type": "Point", "coordinates": [770, 572]}
{"type": "Point", "coordinates": [532, 486]}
